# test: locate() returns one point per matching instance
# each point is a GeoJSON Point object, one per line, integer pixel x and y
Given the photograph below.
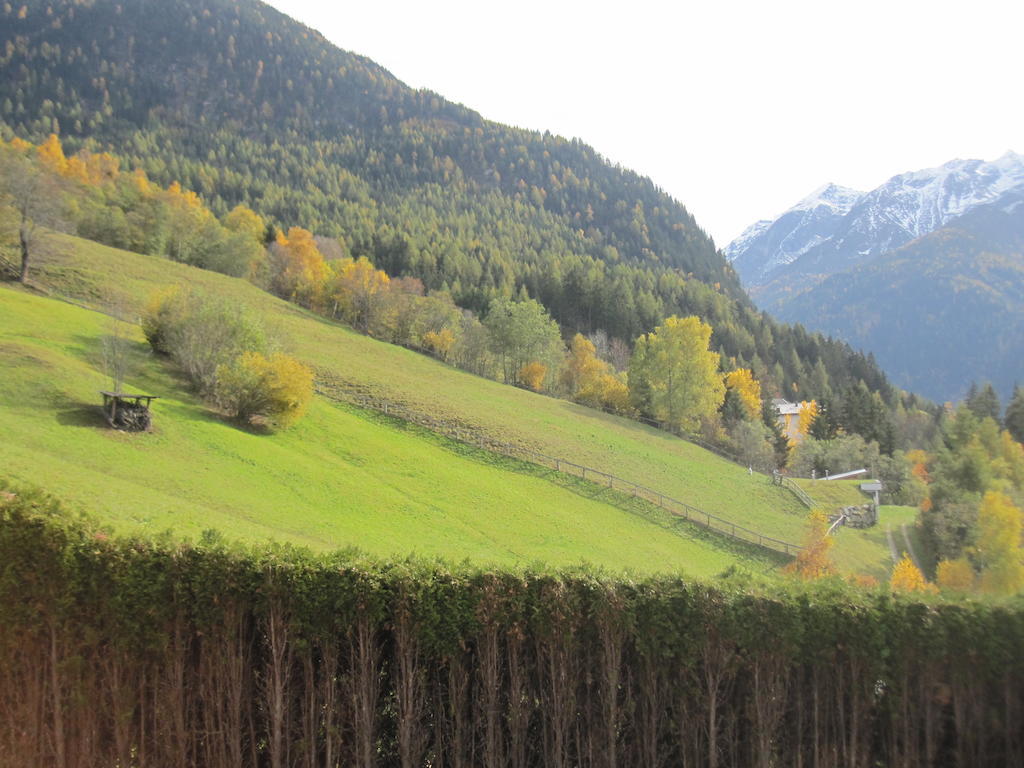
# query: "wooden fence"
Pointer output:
{"type": "Point", "coordinates": [800, 493]}
{"type": "Point", "coordinates": [680, 509]}
{"type": "Point", "coordinates": [675, 507]}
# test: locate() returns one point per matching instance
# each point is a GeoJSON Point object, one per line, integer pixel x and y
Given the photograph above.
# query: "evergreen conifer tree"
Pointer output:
{"type": "Point", "coordinates": [984, 402]}
{"type": "Point", "coordinates": [1014, 418]}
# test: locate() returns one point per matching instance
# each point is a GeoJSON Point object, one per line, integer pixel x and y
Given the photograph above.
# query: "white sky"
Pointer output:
{"type": "Point", "coordinates": [737, 109]}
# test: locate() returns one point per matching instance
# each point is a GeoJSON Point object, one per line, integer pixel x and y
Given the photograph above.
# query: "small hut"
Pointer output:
{"type": "Point", "coordinates": [127, 412]}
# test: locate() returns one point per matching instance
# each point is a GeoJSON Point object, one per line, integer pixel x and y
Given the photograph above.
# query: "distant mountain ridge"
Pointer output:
{"type": "Point", "coordinates": [838, 229]}
{"type": "Point", "coordinates": [925, 272]}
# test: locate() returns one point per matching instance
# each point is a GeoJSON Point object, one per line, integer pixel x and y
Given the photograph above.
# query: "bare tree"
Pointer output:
{"type": "Point", "coordinates": [35, 196]}
{"type": "Point", "coordinates": [115, 346]}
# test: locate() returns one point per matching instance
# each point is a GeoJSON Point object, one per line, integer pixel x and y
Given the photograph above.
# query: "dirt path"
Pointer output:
{"type": "Point", "coordinates": [892, 545]}
{"type": "Point", "coordinates": [910, 547]}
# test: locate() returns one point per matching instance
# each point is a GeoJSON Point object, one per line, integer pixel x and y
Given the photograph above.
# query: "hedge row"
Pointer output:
{"type": "Point", "coordinates": [129, 652]}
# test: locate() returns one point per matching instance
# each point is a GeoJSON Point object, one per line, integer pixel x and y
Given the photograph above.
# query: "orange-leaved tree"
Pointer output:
{"type": "Point", "coordinates": [51, 153]}
{"type": "Point", "coordinates": [813, 561]}
{"type": "Point", "coordinates": [532, 375]}
{"type": "Point", "coordinates": [34, 191]}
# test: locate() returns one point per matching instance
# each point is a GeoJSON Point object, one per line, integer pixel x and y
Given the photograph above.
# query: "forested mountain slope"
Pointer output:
{"type": "Point", "coordinates": [242, 104]}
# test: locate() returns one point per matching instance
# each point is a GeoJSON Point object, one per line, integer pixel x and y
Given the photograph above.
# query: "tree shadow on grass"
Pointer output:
{"type": "Point", "coordinates": [81, 415]}
{"type": "Point", "coordinates": [199, 412]}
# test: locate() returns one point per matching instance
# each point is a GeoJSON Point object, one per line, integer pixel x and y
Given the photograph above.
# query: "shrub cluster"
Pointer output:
{"type": "Point", "coordinates": [131, 652]}
{"type": "Point", "coordinates": [253, 386]}
{"type": "Point", "coordinates": [224, 350]}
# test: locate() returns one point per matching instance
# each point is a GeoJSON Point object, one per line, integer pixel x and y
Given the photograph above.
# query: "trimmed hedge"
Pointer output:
{"type": "Point", "coordinates": [161, 653]}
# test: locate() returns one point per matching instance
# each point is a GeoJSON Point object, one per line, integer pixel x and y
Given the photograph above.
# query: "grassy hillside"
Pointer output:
{"type": "Point", "coordinates": [340, 478]}
{"type": "Point", "coordinates": [107, 277]}
{"type": "Point", "coordinates": [830, 494]}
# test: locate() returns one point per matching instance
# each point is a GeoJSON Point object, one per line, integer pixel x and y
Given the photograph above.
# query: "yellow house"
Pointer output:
{"type": "Point", "coordinates": [790, 415]}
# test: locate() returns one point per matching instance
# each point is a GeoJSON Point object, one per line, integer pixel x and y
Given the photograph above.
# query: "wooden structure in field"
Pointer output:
{"type": "Point", "coordinates": [127, 412]}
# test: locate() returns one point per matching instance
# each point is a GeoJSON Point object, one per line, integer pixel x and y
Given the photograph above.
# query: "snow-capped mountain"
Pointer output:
{"type": "Point", "coordinates": [835, 229]}
{"type": "Point", "coordinates": [767, 245]}
{"type": "Point", "coordinates": [941, 311]}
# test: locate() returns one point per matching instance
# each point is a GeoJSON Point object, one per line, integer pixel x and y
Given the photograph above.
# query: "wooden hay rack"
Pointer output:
{"type": "Point", "coordinates": [127, 411]}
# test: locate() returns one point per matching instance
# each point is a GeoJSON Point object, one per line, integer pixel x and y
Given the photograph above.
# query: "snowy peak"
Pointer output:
{"type": "Point", "coordinates": [769, 245]}
{"type": "Point", "coordinates": [747, 236]}
{"type": "Point", "coordinates": [1011, 162]}
{"type": "Point", "coordinates": [838, 199]}
{"type": "Point", "coordinates": [922, 201]}
{"type": "Point", "coordinates": [834, 228]}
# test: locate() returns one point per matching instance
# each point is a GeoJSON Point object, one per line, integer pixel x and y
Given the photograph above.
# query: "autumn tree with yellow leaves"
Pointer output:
{"type": "Point", "coordinates": [813, 561]}
{"type": "Point", "coordinates": [357, 290]}
{"type": "Point", "coordinates": [591, 381]}
{"type": "Point", "coordinates": [299, 271]}
{"type": "Point", "coordinates": [532, 375]}
{"type": "Point", "coordinates": [998, 549]}
{"type": "Point", "coordinates": [955, 575]}
{"type": "Point", "coordinates": [673, 375]}
{"type": "Point", "coordinates": [439, 343]}
{"type": "Point", "coordinates": [582, 367]}
{"type": "Point", "coordinates": [808, 413]}
{"type": "Point", "coordinates": [907, 577]}
{"type": "Point", "coordinates": [245, 221]}
{"type": "Point", "coordinates": [273, 390]}
{"type": "Point", "coordinates": [747, 390]}
{"type": "Point", "coordinates": [34, 192]}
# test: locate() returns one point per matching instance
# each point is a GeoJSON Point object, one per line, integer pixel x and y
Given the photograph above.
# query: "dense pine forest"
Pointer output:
{"type": "Point", "coordinates": [243, 105]}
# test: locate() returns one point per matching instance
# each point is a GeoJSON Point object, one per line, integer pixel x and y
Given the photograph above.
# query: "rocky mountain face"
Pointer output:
{"type": "Point", "coordinates": [926, 273]}
{"type": "Point", "coordinates": [767, 246]}
{"type": "Point", "coordinates": [836, 229]}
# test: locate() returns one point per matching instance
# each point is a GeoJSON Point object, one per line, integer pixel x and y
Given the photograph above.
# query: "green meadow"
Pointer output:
{"type": "Point", "coordinates": [343, 477]}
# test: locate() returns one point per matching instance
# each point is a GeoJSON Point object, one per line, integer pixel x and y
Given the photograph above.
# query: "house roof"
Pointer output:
{"type": "Point", "coordinates": [784, 407]}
